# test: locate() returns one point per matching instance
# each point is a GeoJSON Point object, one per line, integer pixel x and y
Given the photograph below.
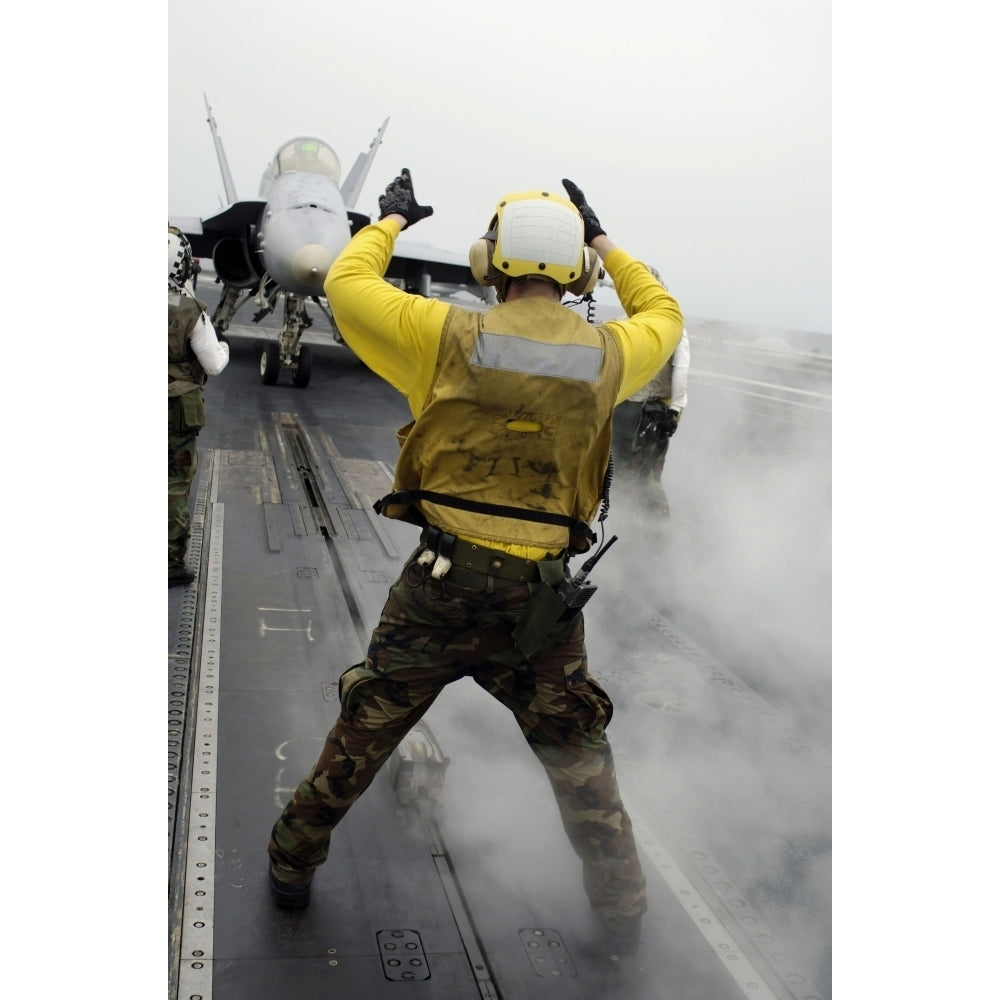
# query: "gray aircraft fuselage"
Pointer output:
{"type": "Point", "coordinates": [304, 224]}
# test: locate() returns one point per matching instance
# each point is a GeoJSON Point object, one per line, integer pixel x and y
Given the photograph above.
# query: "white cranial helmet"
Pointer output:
{"type": "Point", "coordinates": [535, 234]}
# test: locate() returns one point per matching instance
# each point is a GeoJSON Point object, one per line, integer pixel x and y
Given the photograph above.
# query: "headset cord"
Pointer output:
{"type": "Point", "coordinates": [591, 306]}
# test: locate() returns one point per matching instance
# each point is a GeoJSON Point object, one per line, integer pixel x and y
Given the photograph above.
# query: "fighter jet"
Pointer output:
{"type": "Point", "coordinates": [283, 243]}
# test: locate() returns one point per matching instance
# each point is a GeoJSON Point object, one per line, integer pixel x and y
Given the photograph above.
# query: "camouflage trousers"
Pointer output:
{"type": "Point", "coordinates": [429, 636]}
{"type": "Point", "coordinates": [182, 464]}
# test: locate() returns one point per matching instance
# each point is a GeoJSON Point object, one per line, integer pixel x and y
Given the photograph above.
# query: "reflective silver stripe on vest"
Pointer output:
{"type": "Point", "coordinates": [516, 354]}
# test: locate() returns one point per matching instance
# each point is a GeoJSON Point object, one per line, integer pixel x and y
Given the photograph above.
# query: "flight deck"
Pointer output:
{"type": "Point", "coordinates": [452, 876]}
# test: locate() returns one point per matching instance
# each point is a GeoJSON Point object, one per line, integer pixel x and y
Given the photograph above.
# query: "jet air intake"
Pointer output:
{"type": "Point", "coordinates": [231, 264]}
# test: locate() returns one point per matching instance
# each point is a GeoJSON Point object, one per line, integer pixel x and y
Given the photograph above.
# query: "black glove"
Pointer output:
{"type": "Point", "coordinates": [591, 227]}
{"type": "Point", "coordinates": [657, 422]}
{"type": "Point", "coordinates": [399, 199]}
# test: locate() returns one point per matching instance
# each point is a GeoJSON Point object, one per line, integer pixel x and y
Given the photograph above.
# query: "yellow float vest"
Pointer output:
{"type": "Point", "coordinates": [518, 415]}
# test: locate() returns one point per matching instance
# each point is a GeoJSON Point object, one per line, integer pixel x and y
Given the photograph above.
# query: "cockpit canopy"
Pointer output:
{"type": "Point", "coordinates": [307, 154]}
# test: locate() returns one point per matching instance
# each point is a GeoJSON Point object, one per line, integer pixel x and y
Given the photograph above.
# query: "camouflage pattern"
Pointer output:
{"type": "Point", "coordinates": [182, 465]}
{"type": "Point", "coordinates": [430, 634]}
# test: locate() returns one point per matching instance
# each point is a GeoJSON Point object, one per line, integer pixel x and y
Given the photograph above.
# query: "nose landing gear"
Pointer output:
{"type": "Point", "coordinates": [272, 361]}
{"type": "Point", "coordinates": [289, 352]}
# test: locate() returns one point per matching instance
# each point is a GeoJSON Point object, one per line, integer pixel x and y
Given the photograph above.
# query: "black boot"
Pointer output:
{"type": "Point", "coordinates": [180, 575]}
{"type": "Point", "coordinates": [290, 895]}
{"type": "Point", "coordinates": [618, 938]}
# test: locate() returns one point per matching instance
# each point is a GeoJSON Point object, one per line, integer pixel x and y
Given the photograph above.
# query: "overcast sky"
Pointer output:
{"type": "Point", "coordinates": [700, 133]}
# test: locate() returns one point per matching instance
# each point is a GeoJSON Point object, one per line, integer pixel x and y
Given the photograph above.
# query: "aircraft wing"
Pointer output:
{"type": "Point", "coordinates": [204, 234]}
{"type": "Point", "coordinates": [185, 223]}
{"type": "Point", "coordinates": [417, 262]}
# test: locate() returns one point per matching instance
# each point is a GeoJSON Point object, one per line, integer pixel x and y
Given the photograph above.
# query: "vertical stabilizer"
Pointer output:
{"type": "Point", "coordinates": [227, 177]}
{"type": "Point", "coordinates": [351, 188]}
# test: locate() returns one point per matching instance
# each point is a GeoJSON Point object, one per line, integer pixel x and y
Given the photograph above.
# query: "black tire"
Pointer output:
{"type": "Point", "coordinates": [270, 363]}
{"type": "Point", "coordinates": [302, 374]}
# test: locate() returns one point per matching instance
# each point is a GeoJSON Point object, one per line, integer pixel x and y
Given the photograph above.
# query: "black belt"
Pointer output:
{"type": "Point", "coordinates": [472, 564]}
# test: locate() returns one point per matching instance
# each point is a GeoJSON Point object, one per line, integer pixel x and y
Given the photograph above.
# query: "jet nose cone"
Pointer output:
{"type": "Point", "coordinates": [310, 264]}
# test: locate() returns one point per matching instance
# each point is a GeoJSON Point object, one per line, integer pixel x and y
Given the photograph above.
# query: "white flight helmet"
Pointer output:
{"type": "Point", "coordinates": [178, 256]}
{"type": "Point", "coordinates": [538, 234]}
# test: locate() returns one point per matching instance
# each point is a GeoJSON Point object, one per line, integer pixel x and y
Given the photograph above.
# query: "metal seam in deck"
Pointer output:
{"type": "Point", "coordinates": [195, 976]}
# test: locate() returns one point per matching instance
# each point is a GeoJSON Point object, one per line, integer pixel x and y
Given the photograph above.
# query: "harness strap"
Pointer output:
{"type": "Point", "coordinates": [408, 497]}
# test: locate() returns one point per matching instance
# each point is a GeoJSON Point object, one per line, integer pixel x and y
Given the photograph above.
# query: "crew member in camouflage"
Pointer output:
{"type": "Point", "coordinates": [429, 635]}
{"type": "Point", "coordinates": [193, 353]}
{"type": "Point", "coordinates": [644, 425]}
